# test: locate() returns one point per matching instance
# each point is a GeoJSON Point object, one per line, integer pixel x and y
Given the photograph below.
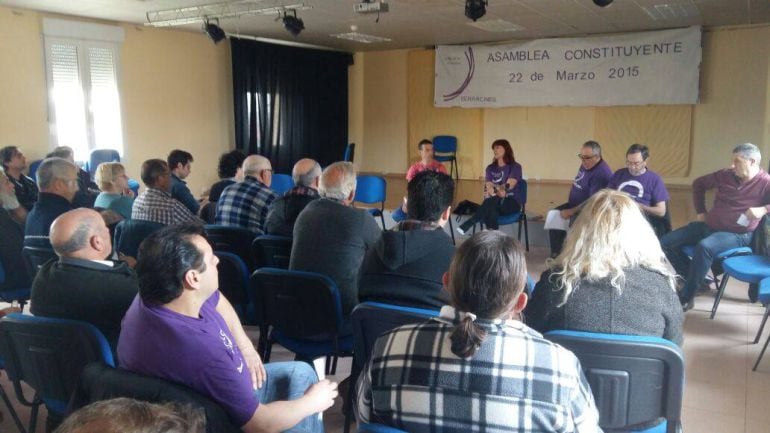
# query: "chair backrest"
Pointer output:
{"type": "Point", "coordinates": [378, 428]}
{"type": "Point", "coordinates": [272, 251]}
{"type": "Point", "coordinates": [133, 185]}
{"type": "Point", "coordinates": [298, 304]}
{"type": "Point", "coordinates": [35, 257]}
{"type": "Point", "coordinates": [234, 282]}
{"type": "Point", "coordinates": [523, 187]}
{"type": "Point", "coordinates": [236, 240]}
{"type": "Point", "coordinates": [281, 183]}
{"type": "Point", "coordinates": [101, 382]}
{"type": "Point", "coordinates": [99, 156]}
{"type": "Point", "coordinates": [445, 144]}
{"type": "Point", "coordinates": [370, 189]}
{"type": "Point", "coordinates": [208, 212]}
{"type": "Point", "coordinates": [369, 320]}
{"type": "Point", "coordinates": [49, 355]}
{"type": "Point", "coordinates": [350, 152]}
{"type": "Point", "coordinates": [634, 379]}
{"type": "Point", "coordinates": [33, 168]}
{"type": "Point", "coordinates": [129, 234]}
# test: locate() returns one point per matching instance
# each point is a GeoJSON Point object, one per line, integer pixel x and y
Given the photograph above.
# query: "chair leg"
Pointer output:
{"type": "Point", "coordinates": [761, 354]}
{"type": "Point", "coordinates": [762, 325]}
{"type": "Point", "coordinates": [452, 231]}
{"type": "Point", "coordinates": [11, 411]}
{"type": "Point", "coordinates": [526, 231]}
{"type": "Point", "coordinates": [334, 365]}
{"type": "Point", "coordinates": [268, 350]}
{"type": "Point", "coordinates": [33, 416]}
{"type": "Point", "coordinates": [382, 218]}
{"type": "Point", "coordinates": [349, 398]}
{"type": "Point", "coordinates": [720, 292]}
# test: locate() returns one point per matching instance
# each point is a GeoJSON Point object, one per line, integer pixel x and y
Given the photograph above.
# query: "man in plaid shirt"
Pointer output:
{"type": "Point", "coordinates": [245, 204]}
{"type": "Point", "coordinates": [463, 372]}
{"type": "Point", "coordinates": [155, 203]}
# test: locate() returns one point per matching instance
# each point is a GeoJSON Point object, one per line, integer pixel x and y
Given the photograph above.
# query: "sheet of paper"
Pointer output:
{"type": "Point", "coordinates": [554, 221]}
{"type": "Point", "coordinates": [742, 220]}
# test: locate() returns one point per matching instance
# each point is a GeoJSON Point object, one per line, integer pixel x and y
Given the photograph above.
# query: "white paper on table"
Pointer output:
{"type": "Point", "coordinates": [554, 221]}
{"type": "Point", "coordinates": [742, 220]}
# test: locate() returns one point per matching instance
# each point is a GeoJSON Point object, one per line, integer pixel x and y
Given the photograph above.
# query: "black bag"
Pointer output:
{"type": "Point", "coordinates": [466, 207]}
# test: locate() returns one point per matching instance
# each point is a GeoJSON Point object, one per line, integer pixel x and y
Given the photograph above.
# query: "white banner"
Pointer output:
{"type": "Point", "coordinates": [660, 67]}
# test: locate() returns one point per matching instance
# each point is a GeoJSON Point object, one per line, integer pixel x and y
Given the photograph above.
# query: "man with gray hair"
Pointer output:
{"type": "Point", "coordinates": [245, 204]}
{"type": "Point", "coordinates": [57, 180]}
{"type": "Point", "coordinates": [12, 217]}
{"type": "Point", "coordinates": [742, 199]}
{"type": "Point", "coordinates": [331, 237]}
{"type": "Point", "coordinates": [284, 210]}
{"type": "Point", "coordinates": [83, 284]}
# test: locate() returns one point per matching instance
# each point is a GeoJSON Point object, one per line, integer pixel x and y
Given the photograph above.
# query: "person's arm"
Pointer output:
{"type": "Point", "coordinates": [250, 355]}
{"type": "Point", "coordinates": [537, 311]}
{"type": "Point", "coordinates": [598, 182]}
{"type": "Point", "coordinates": [279, 416]}
{"type": "Point", "coordinates": [371, 231]}
{"type": "Point", "coordinates": [182, 214]}
{"type": "Point", "coordinates": [514, 176]}
{"type": "Point", "coordinates": [182, 193]}
{"type": "Point", "coordinates": [699, 188]}
{"type": "Point", "coordinates": [659, 209]}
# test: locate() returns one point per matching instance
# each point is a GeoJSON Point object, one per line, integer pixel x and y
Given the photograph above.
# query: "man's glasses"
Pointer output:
{"type": "Point", "coordinates": [585, 158]}
{"type": "Point", "coordinates": [634, 164]}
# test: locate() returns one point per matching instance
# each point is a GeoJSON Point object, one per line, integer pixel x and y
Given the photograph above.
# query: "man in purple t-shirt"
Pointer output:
{"type": "Point", "coordinates": [592, 176]}
{"type": "Point", "coordinates": [742, 199]}
{"type": "Point", "coordinates": [643, 185]}
{"type": "Point", "coordinates": [181, 329]}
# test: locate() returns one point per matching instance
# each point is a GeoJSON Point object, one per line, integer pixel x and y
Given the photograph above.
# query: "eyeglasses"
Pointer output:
{"type": "Point", "coordinates": [634, 164]}
{"type": "Point", "coordinates": [584, 157]}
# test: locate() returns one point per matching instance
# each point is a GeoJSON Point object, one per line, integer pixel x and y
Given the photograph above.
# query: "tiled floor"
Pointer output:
{"type": "Point", "coordinates": [722, 394]}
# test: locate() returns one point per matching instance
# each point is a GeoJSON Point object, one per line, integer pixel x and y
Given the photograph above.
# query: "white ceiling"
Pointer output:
{"type": "Point", "coordinates": [420, 23]}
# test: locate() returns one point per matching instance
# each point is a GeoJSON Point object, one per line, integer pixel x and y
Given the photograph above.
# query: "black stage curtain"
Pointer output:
{"type": "Point", "coordinates": [290, 102]}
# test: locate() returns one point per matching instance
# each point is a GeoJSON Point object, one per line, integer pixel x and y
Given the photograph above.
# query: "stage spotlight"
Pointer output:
{"type": "Point", "coordinates": [602, 3]}
{"type": "Point", "coordinates": [292, 24]}
{"type": "Point", "coordinates": [214, 31]}
{"type": "Point", "coordinates": [475, 9]}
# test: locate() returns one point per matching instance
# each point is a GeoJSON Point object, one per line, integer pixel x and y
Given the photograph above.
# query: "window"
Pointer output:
{"type": "Point", "coordinates": [82, 72]}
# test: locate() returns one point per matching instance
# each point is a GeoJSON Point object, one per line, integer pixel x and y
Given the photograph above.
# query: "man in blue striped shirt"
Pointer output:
{"type": "Point", "coordinates": [246, 204]}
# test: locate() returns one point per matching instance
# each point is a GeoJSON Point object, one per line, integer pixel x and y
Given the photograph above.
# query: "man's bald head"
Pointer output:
{"type": "Point", "coordinates": [306, 172]}
{"type": "Point", "coordinates": [81, 233]}
{"type": "Point", "coordinates": [338, 181]}
{"type": "Point", "coordinates": [254, 164]}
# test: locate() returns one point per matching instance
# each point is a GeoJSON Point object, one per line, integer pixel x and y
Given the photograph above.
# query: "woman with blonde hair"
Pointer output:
{"type": "Point", "coordinates": [477, 367]}
{"type": "Point", "coordinates": [113, 182]}
{"type": "Point", "coordinates": [611, 276]}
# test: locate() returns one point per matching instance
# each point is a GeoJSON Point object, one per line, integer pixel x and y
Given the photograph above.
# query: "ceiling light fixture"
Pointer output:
{"type": "Point", "coordinates": [215, 32]}
{"type": "Point", "coordinates": [198, 14]}
{"type": "Point", "coordinates": [292, 24]}
{"type": "Point", "coordinates": [602, 3]}
{"type": "Point", "coordinates": [475, 9]}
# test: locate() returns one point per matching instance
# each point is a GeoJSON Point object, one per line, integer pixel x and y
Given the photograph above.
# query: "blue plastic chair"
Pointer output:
{"type": "Point", "coordinates": [33, 169]}
{"type": "Point", "coordinates": [234, 285]}
{"type": "Point", "coordinates": [378, 428]}
{"type": "Point", "coordinates": [133, 185]}
{"type": "Point", "coordinates": [445, 150]}
{"type": "Point", "coordinates": [272, 251]}
{"type": "Point", "coordinates": [750, 269]}
{"type": "Point", "coordinates": [129, 234]}
{"type": "Point", "coordinates": [99, 156]}
{"type": "Point", "coordinates": [350, 152]}
{"type": "Point", "coordinates": [520, 216]}
{"type": "Point", "coordinates": [635, 380]}
{"type": "Point", "coordinates": [372, 190]}
{"type": "Point", "coordinates": [235, 240]}
{"type": "Point", "coordinates": [49, 355]}
{"type": "Point", "coordinates": [36, 256]}
{"type": "Point", "coordinates": [301, 311]}
{"type": "Point", "coordinates": [716, 265]}
{"type": "Point", "coordinates": [281, 183]}
{"type": "Point", "coordinates": [369, 320]}
{"type": "Point", "coordinates": [764, 298]}
{"type": "Point", "coordinates": [18, 294]}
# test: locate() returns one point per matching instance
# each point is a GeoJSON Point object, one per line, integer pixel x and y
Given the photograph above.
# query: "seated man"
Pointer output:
{"type": "Point", "coordinates": [427, 162]}
{"type": "Point", "coordinates": [57, 179]}
{"type": "Point", "coordinates": [14, 162]}
{"type": "Point", "coordinates": [592, 176]}
{"type": "Point", "coordinates": [181, 329]}
{"type": "Point", "coordinates": [87, 189]}
{"type": "Point", "coordinates": [742, 199]}
{"type": "Point", "coordinates": [284, 210]}
{"type": "Point", "coordinates": [155, 203]}
{"type": "Point", "coordinates": [246, 204]}
{"type": "Point", "coordinates": [12, 217]}
{"type": "Point", "coordinates": [331, 237]}
{"type": "Point", "coordinates": [83, 284]}
{"type": "Point", "coordinates": [230, 171]}
{"type": "Point", "coordinates": [644, 186]}
{"type": "Point", "coordinates": [406, 265]}
{"type": "Point", "coordinates": [180, 164]}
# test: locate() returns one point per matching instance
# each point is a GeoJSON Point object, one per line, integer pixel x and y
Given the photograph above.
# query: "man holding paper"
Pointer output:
{"type": "Point", "coordinates": [742, 199]}
{"type": "Point", "coordinates": [592, 176]}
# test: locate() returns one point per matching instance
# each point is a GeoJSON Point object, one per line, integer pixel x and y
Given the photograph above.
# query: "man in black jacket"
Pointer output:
{"type": "Point", "coordinates": [284, 210]}
{"type": "Point", "coordinates": [406, 266]}
{"type": "Point", "coordinates": [83, 284]}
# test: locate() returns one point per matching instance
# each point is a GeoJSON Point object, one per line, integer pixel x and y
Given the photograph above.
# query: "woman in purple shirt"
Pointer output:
{"type": "Point", "coordinates": [500, 188]}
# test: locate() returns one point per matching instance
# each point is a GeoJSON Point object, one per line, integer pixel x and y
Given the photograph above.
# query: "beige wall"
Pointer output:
{"type": "Point", "coordinates": [734, 108]}
{"type": "Point", "coordinates": [175, 86]}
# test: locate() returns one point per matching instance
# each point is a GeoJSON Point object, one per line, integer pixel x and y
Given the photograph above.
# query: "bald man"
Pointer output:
{"type": "Point", "coordinates": [246, 204]}
{"type": "Point", "coordinates": [83, 284]}
{"type": "Point", "coordinates": [284, 211]}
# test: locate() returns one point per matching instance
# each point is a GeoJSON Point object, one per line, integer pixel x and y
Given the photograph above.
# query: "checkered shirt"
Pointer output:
{"type": "Point", "coordinates": [516, 382]}
{"type": "Point", "coordinates": [158, 206]}
{"type": "Point", "coordinates": [245, 205]}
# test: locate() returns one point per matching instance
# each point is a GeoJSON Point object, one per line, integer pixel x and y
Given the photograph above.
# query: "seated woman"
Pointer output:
{"type": "Point", "coordinates": [113, 182]}
{"type": "Point", "coordinates": [427, 162]}
{"type": "Point", "coordinates": [611, 276]}
{"type": "Point", "coordinates": [500, 188]}
{"type": "Point", "coordinates": [477, 367]}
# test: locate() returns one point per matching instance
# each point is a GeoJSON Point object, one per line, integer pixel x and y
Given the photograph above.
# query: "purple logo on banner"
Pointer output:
{"type": "Point", "coordinates": [471, 69]}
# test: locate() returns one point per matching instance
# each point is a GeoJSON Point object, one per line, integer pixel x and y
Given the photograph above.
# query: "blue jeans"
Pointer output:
{"type": "Point", "coordinates": [708, 244]}
{"type": "Point", "coordinates": [289, 381]}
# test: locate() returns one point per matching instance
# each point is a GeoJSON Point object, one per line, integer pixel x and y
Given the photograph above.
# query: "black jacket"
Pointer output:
{"type": "Point", "coordinates": [406, 267]}
{"type": "Point", "coordinates": [283, 213]}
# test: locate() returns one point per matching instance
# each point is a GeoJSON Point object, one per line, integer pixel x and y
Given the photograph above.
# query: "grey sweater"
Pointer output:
{"type": "Point", "coordinates": [646, 305]}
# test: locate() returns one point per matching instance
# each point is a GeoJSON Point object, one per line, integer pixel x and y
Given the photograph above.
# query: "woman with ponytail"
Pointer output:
{"type": "Point", "coordinates": [477, 367]}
